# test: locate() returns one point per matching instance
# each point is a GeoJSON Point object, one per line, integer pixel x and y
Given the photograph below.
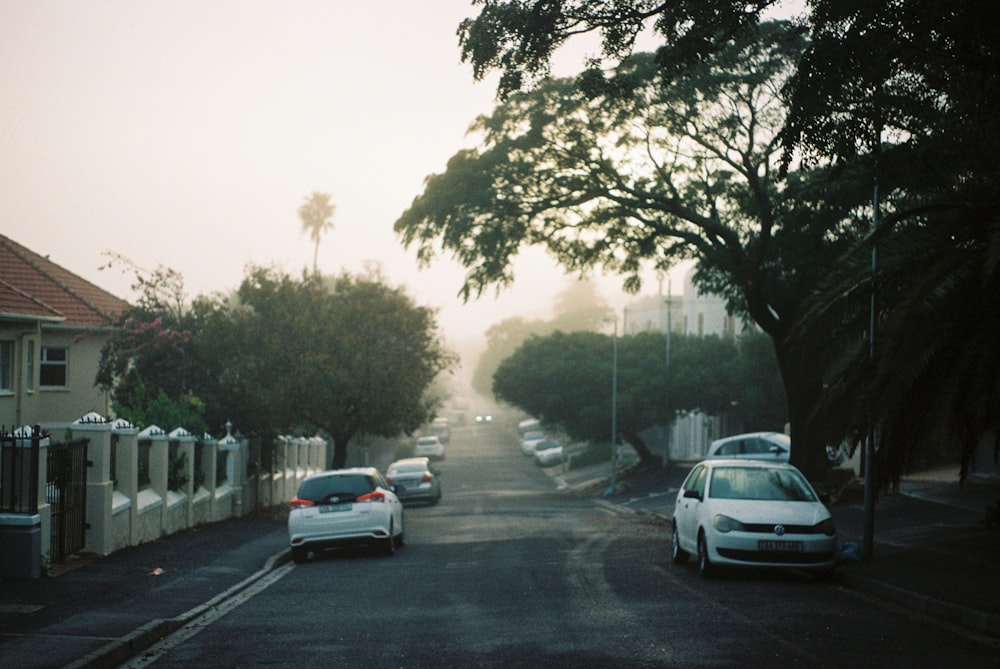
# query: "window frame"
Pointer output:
{"type": "Point", "coordinates": [45, 364]}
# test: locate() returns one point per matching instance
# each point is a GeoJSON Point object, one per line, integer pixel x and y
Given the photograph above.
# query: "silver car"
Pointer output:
{"type": "Point", "coordinates": [414, 481]}
{"type": "Point", "coordinates": [344, 507]}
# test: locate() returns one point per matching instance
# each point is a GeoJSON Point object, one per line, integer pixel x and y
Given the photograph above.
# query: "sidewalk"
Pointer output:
{"type": "Point", "coordinates": [931, 553]}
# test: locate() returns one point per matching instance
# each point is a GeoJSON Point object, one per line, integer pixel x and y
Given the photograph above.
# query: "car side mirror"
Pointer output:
{"type": "Point", "coordinates": [692, 494]}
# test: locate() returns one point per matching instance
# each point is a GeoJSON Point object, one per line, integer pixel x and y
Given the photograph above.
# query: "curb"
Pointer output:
{"type": "Point", "coordinates": [114, 653]}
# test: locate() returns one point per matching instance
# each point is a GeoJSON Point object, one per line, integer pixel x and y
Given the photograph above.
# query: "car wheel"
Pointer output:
{"type": "Point", "coordinates": [705, 566]}
{"type": "Point", "coordinates": [389, 544]}
{"type": "Point", "coordinates": [677, 554]}
{"type": "Point", "coordinates": [300, 555]}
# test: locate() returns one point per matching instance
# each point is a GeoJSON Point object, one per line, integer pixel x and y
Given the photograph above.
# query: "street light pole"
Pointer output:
{"type": "Point", "coordinates": [614, 412]}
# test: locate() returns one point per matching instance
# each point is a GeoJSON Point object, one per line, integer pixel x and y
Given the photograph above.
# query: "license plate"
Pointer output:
{"type": "Point", "coordinates": [334, 508]}
{"type": "Point", "coordinates": [780, 546]}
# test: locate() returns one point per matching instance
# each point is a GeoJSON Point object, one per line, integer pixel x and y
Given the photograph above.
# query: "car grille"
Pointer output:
{"type": "Point", "coordinates": [768, 528]}
{"type": "Point", "coordinates": [784, 557]}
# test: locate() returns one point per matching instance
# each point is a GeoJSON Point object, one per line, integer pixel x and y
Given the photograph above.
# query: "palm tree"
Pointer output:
{"type": "Point", "coordinates": [315, 214]}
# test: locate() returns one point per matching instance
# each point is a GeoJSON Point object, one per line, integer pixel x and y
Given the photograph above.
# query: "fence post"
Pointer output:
{"type": "Point", "coordinates": [100, 488]}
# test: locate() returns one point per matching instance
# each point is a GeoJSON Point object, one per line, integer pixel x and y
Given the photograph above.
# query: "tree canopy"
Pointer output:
{"type": "Point", "coordinates": [565, 379]}
{"type": "Point", "coordinates": [898, 93]}
{"type": "Point", "coordinates": [347, 356]}
{"type": "Point", "coordinates": [618, 171]}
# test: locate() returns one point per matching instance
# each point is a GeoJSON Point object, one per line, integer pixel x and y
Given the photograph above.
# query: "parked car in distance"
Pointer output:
{"type": "Point", "coordinates": [344, 507]}
{"type": "Point", "coordinates": [549, 452]}
{"type": "Point", "coordinates": [751, 513]}
{"type": "Point", "coordinates": [413, 480]}
{"type": "Point", "coordinates": [429, 447]}
{"type": "Point", "coordinates": [530, 440]}
{"type": "Point", "coordinates": [528, 425]}
{"type": "Point", "coordinates": [770, 446]}
{"type": "Point", "coordinates": [441, 430]}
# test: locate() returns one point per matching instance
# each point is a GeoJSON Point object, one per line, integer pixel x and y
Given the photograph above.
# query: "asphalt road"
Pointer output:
{"type": "Point", "coordinates": [509, 572]}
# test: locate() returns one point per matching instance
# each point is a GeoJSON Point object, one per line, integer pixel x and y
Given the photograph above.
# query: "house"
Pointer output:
{"type": "Point", "coordinates": [53, 324]}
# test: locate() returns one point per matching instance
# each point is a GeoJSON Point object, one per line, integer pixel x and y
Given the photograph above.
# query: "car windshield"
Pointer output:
{"type": "Point", "coordinates": [546, 445]}
{"type": "Point", "coordinates": [427, 441]}
{"type": "Point", "coordinates": [346, 486]}
{"type": "Point", "coordinates": [759, 483]}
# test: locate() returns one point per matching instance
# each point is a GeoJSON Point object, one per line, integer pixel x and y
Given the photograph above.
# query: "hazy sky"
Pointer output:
{"type": "Point", "coordinates": [187, 134]}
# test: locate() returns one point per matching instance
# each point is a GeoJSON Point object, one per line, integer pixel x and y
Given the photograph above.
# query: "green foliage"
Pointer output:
{"type": "Point", "coordinates": [350, 356]}
{"type": "Point", "coordinates": [177, 472]}
{"type": "Point", "coordinates": [593, 454]}
{"type": "Point", "coordinates": [566, 380]}
{"type": "Point", "coordinates": [578, 308]}
{"type": "Point", "coordinates": [902, 93]}
{"type": "Point", "coordinates": [140, 407]}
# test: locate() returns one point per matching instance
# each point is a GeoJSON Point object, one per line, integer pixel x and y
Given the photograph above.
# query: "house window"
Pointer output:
{"type": "Point", "coordinates": [52, 371]}
{"type": "Point", "coordinates": [6, 365]}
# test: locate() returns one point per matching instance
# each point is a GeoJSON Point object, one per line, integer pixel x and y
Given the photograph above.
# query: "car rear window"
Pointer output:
{"type": "Point", "coordinates": [343, 485]}
{"type": "Point", "coordinates": [407, 469]}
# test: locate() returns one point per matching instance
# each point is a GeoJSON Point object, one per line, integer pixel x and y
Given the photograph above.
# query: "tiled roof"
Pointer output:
{"type": "Point", "coordinates": [33, 286]}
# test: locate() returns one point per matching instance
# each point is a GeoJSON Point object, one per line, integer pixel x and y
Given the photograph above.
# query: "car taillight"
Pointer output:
{"type": "Point", "coordinates": [426, 478]}
{"type": "Point", "coordinates": [297, 503]}
{"type": "Point", "coordinates": [373, 496]}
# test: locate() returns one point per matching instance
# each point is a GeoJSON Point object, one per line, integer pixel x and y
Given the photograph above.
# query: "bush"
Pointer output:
{"type": "Point", "coordinates": [593, 454]}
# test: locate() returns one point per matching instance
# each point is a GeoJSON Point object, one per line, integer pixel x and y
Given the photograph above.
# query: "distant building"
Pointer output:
{"type": "Point", "coordinates": [53, 324]}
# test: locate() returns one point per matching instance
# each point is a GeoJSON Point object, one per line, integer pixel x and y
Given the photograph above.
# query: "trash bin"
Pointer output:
{"type": "Point", "coordinates": [20, 545]}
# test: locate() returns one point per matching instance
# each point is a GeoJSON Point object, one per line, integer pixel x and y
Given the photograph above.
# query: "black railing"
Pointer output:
{"type": "Point", "coordinates": [19, 472]}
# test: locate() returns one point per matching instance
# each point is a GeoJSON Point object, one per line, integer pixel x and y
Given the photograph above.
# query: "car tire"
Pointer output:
{"type": "Point", "coordinates": [300, 555]}
{"type": "Point", "coordinates": [705, 566]}
{"type": "Point", "coordinates": [677, 554]}
{"type": "Point", "coordinates": [389, 545]}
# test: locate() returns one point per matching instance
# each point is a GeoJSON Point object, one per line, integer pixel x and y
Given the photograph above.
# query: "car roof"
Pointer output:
{"type": "Point", "coordinates": [411, 461]}
{"type": "Point", "coordinates": [751, 435]}
{"type": "Point", "coordinates": [368, 471]}
{"type": "Point", "coordinates": [745, 462]}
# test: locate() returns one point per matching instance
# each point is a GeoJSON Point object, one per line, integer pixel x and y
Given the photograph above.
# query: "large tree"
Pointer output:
{"type": "Point", "coordinates": [623, 172]}
{"type": "Point", "coordinates": [912, 85]}
{"type": "Point", "coordinates": [349, 357]}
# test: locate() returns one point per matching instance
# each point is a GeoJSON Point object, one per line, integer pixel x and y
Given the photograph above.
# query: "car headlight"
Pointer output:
{"type": "Point", "coordinates": [827, 527]}
{"type": "Point", "coordinates": [726, 524]}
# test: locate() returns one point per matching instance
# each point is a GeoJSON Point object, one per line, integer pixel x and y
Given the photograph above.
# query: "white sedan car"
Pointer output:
{"type": "Point", "coordinates": [344, 507]}
{"type": "Point", "coordinates": [549, 452]}
{"type": "Point", "coordinates": [751, 513]}
{"type": "Point", "coordinates": [429, 447]}
{"type": "Point", "coordinates": [530, 440]}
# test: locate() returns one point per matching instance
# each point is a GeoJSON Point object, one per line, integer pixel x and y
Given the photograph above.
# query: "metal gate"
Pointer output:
{"type": "Point", "coordinates": [66, 493]}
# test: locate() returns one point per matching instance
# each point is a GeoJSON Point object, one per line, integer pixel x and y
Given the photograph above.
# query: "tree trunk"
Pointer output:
{"type": "Point", "coordinates": [646, 457]}
{"type": "Point", "coordinates": [804, 390]}
{"type": "Point", "coordinates": [340, 441]}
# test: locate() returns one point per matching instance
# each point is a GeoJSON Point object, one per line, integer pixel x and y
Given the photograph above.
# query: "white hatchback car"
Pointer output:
{"type": "Point", "coordinates": [751, 513]}
{"type": "Point", "coordinates": [344, 507]}
{"type": "Point", "coordinates": [771, 446]}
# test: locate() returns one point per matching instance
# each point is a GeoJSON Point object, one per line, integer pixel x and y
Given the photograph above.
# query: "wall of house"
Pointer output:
{"type": "Point", "coordinates": [27, 402]}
